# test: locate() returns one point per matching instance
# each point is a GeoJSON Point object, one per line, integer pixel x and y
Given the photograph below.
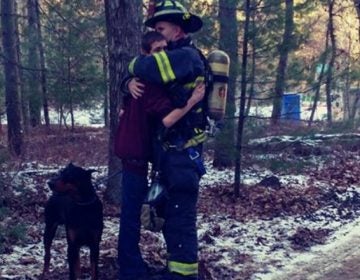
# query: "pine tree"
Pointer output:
{"type": "Point", "coordinates": [284, 48]}
{"type": "Point", "coordinates": [74, 56]}
{"type": "Point", "coordinates": [15, 141]}
{"type": "Point", "coordinates": [33, 65]}
{"type": "Point", "coordinates": [228, 41]}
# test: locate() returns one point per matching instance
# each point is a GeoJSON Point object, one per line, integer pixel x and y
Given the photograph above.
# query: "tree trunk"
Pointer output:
{"type": "Point", "coordinates": [355, 106]}
{"type": "Point", "coordinates": [357, 7]}
{"type": "Point", "coordinates": [61, 116]}
{"type": "Point", "coordinates": [347, 77]}
{"type": "Point", "coordinates": [225, 142]}
{"type": "Point", "coordinates": [24, 99]}
{"type": "Point", "coordinates": [329, 73]}
{"type": "Point", "coordinates": [242, 102]}
{"type": "Point", "coordinates": [15, 140]}
{"type": "Point", "coordinates": [42, 66]}
{"type": "Point", "coordinates": [252, 42]}
{"type": "Point", "coordinates": [34, 85]}
{"type": "Point", "coordinates": [320, 78]}
{"type": "Point", "coordinates": [284, 50]}
{"type": "Point", "coordinates": [123, 24]}
{"type": "Point", "coordinates": [106, 90]}
{"type": "Point", "coordinates": [72, 115]}
{"type": "Point", "coordinates": [70, 92]}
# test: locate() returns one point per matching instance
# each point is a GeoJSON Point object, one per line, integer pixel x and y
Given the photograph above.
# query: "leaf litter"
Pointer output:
{"type": "Point", "coordinates": [255, 236]}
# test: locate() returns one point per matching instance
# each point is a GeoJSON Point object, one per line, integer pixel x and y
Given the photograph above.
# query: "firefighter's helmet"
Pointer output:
{"type": "Point", "coordinates": [174, 12]}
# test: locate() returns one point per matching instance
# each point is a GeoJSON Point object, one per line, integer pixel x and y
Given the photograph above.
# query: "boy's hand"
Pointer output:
{"type": "Point", "coordinates": [198, 93]}
{"type": "Point", "coordinates": [136, 88]}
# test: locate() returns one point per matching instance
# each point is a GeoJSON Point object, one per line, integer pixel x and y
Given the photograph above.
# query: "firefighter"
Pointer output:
{"type": "Point", "coordinates": [133, 144]}
{"type": "Point", "coordinates": [182, 166]}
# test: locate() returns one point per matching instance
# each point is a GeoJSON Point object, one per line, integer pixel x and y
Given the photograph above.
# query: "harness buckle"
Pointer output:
{"type": "Point", "coordinates": [193, 154]}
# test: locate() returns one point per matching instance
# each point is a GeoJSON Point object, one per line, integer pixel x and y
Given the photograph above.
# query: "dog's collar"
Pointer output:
{"type": "Point", "coordinates": [87, 202]}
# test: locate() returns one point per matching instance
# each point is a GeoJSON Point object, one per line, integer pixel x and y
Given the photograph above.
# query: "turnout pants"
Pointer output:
{"type": "Point", "coordinates": [182, 182]}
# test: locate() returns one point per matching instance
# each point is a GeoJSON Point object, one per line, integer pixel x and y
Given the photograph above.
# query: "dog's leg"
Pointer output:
{"type": "Point", "coordinates": [73, 260]}
{"type": "Point", "coordinates": [94, 260]}
{"type": "Point", "coordinates": [49, 234]}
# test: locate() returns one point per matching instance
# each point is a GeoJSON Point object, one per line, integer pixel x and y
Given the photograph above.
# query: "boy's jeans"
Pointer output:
{"type": "Point", "coordinates": [134, 188]}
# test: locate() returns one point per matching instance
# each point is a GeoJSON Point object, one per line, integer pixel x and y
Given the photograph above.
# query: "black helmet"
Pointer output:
{"type": "Point", "coordinates": [172, 11]}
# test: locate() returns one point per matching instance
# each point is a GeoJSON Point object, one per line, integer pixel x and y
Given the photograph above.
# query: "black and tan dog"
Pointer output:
{"type": "Point", "coordinates": [75, 204]}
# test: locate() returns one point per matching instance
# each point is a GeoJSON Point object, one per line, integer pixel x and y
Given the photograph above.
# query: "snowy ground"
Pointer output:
{"type": "Point", "coordinates": [326, 261]}
{"type": "Point", "coordinates": [267, 243]}
{"type": "Point", "coordinates": [269, 233]}
{"type": "Point", "coordinates": [251, 249]}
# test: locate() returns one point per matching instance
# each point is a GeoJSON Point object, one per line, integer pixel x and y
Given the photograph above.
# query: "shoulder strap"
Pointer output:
{"type": "Point", "coordinates": [209, 83]}
{"type": "Point", "coordinates": [208, 72]}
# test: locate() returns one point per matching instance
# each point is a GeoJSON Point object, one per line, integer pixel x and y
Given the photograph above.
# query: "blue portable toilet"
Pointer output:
{"type": "Point", "coordinates": [290, 107]}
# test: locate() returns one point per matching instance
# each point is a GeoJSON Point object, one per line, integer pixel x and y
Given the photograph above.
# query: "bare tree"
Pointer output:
{"type": "Point", "coordinates": [24, 100]}
{"type": "Point", "coordinates": [43, 78]}
{"type": "Point", "coordinates": [252, 43]}
{"type": "Point", "coordinates": [123, 24]}
{"type": "Point", "coordinates": [242, 101]}
{"type": "Point", "coordinates": [15, 140]}
{"type": "Point", "coordinates": [106, 87]}
{"type": "Point", "coordinates": [355, 104]}
{"type": "Point", "coordinates": [320, 79]}
{"type": "Point", "coordinates": [225, 142]}
{"type": "Point", "coordinates": [34, 86]}
{"type": "Point", "coordinates": [284, 49]}
{"type": "Point", "coordinates": [329, 73]}
{"type": "Point", "coordinates": [348, 80]}
{"type": "Point", "coordinates": [357, 7]}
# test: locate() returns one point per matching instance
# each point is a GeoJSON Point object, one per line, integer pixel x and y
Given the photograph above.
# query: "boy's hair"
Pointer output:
{"type": "Point", "coordinates": [149, 38]}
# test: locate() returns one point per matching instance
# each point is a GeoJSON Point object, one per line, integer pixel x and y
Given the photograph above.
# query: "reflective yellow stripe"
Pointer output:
{"type": "Point", "coordinates": [200, 79]}
{"type": "Point", "coordinates": [168, 8]}
{"type": "Point", "coordinates": [167, 3]}
{"type": "Point", "coordinates": [192, 85]}
{"type": "Point", "coordinates": [170, 11]}
{"type": "Point", "coordinates": [189, 85]}
{"type": "Point", "coordinates": [160, 66]}
{"type": "Point", "coordinates": [218, 68]}
{"type": "Point", "coordinates": [192, 142]}
{"type": "Point", "coordinates": [168, 69]}
{"type": "Point", "coordinates": [131, 66]}
{"type": "Point", "coordinates": [171, 4]}
{"type": "Point", "coordinates": [166, 72]}
{"type": "Point", "coordinates": [197, 139]}
{"type": "Point", "coordinates": [183, 268]}
{"type": "Point", "coordinates": [200, 138]}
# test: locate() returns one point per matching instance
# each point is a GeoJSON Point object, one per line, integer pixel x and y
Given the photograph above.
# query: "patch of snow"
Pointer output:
{"type": "Point", "coordinates": [266, 242]}
{"type": "Point", "coordinates": [308, 265]}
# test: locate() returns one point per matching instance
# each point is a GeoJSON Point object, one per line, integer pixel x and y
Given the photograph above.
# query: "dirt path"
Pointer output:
{"type": "Point", "coordinates": [338, 260]}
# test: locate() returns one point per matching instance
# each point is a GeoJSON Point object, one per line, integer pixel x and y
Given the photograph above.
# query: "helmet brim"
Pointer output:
{"type": "Point", "coordinates": [191, 24]}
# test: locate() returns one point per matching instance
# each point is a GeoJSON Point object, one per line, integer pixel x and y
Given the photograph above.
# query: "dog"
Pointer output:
{"type": "Point", "coordinates": [74, 203]}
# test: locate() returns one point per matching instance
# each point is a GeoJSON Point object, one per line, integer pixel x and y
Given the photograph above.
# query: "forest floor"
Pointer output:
{"type": "Point", "coordinates": [303, 223]}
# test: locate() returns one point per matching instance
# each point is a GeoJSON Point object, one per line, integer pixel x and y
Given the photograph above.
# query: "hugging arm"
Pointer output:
{"type": "Point", "coordinates": [175, 115]}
